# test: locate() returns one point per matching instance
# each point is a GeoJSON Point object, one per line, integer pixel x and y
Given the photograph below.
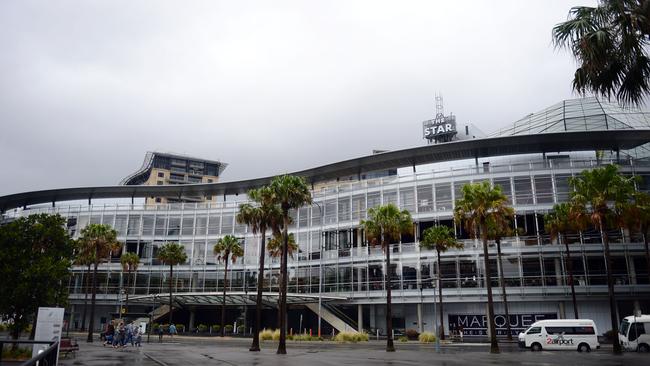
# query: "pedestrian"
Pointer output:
{"type": "Point", "coordinates": [160, 333]}
{"type": "Point", "coordinates": [129, 334]}
{"type": "Point", "coordinates": [137, 337]}
{"type": "Point", "coordinates": [121, 335]}
{"type": "Point", "coordinates": [172, 330]}
{"type": "Point", "coordinates": [461, 331]}
{"type": "Point", "coordinates": [109, 334]}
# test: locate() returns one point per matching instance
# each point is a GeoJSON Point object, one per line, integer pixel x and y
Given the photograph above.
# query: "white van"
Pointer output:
{"type": "Point", "coordinates": [634, 333]}
{"type": "Point", "coordinates": [562, 334]}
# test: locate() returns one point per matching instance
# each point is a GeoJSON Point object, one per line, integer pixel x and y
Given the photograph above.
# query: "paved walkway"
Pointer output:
{"type": "Point", "coordinates": [231, 352]}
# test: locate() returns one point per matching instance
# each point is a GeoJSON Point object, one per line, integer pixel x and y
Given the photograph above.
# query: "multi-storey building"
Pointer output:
{"type": "Point", "coordinates": [165, 169]}
{"type": "Point", "coordinates": [337, 275]}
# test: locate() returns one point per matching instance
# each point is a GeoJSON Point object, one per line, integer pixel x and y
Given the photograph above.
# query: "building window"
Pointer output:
{"type": "Point", "coordinates": [157, 199]}
{"type": "Point", "coordinates": [160, 183]}
{"type": "Point", "coordinates": [161, 174]}
{"type": "Point", "coordinates": [209, 180]}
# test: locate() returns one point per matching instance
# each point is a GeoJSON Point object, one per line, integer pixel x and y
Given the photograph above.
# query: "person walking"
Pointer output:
{"type": "Point", "coordinates": [137, 337]}
{"type": "Point", "coordinates": [172, 330]}
{"type": "Point", "coordinates": [160, 333]}
{"type": "Point", "coordinates": [129, 334]}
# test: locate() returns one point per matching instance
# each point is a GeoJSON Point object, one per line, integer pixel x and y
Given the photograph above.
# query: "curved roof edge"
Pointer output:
{"type": "Point", "coordinates": [457, 150]}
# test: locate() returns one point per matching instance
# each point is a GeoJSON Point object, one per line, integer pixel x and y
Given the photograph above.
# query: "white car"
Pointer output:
{"type": "Point", "coordinates": [561, 334]}
{"type": "Point", "coordinates": [634, 333]}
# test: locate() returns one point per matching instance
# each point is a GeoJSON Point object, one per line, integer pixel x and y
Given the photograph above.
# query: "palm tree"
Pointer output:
{"type": "Point", "coordinates": [275, 245]}
{"type": "Point", "coordinates": [172, 254]}
{"type": "Point", "coordinates": [227, 248]}
{"type": "Point", "coordinates": [260, 218]}
{"type": "Point", "coordinates": [288, 192]}
{"type": "Point", "coordinates": [98, 242]}
{"type": "Point", "coordinates": [384, 224]}
{"type": "Point", "coordinates": [84, 258]}
{"type": "Point", "coordinates": [636, 216]}
{"type": "Point", "coordinates": [609, 42]}
{"type": "Point", "coordinates": [602, 193]}
{"type": "Point", "coordinates": [499, 227]}
{"type": "Point", "coordinates": [480, 202]}
{"type": "Point", "coordinates": [562, 219]}
{"type": "Point", "coordinates": [440, 238]}
{"type": "Point", "coordinates": [130, 262]}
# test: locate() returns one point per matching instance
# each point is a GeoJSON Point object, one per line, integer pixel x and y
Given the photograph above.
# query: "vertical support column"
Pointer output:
{"type": "Point", "coordinates": [631, 270]}
{"type": "Point", "coordinates": [558, 272]}
{"type": "Point", "coordinates": [562, 309]}
{"type": "Point", "coordinates": [420, 322]}
{"type": "Point", "coordinates": [373, 315]}
{"type": "Point", "coordinates": [360, 317]}
{"type": "Point", "coordinates": [637, 307]}
{"type": "Point", "coordinates": [192, 317]}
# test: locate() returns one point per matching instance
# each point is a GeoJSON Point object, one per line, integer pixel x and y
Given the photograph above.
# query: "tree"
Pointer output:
{"type": "Point", "coordinates": [636, 216]}
{"type": "Point", "coordinates": [561, 220]}
{"type": "Point", "coordinates": [385, 224]}
{"type": "Point", "coordinates": [440, 238]}
{"type": "Point", "coordinates": [260, 218]}
{"type": "Point", "coordinates": [100, 241]}
{"type": "Point", "coordinates": [602, 194]}
{"type": "Point", "coordinates": [288, 192]}
{"type": "Point", "coordinates": [130, 263]}
{"type": "Point", "coordinates": [499, 227]}
{"type": "Point", "coordinates": [275, 245]}
{"type": "Point", "coordinates": [609, 42]}
{"type": "Point", "coordinates": [227, 248]}
{"type": "Point", "coordinates": [36, 257]}
{"type": "Point", "coordinates": [479, 204]}
{"type": "Point", "coordinates": [83, 258]}
{"type": "Point", "coordinates": [172, 254]}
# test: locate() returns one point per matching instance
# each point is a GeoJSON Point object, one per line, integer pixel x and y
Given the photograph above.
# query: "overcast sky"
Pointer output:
{"type": "Point", "coordinates": [87, 87]}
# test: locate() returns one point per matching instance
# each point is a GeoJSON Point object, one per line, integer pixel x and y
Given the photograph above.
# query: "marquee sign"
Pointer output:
{"type": "Point", "coordinates": [476, 324]}
{"type": "Point", "coordinates": [441, 129]}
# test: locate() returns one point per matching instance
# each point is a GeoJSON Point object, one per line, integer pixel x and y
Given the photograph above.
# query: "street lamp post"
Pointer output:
{"type": "Point", "coordinates": [320, 266]}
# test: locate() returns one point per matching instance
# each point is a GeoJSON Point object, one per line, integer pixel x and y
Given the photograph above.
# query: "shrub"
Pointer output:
{"type": "Point", "coordinates": [289, 337]}
{"type": "Point", "coordinates": [427, 337]}
{"type": "Point", "coordinates": [180, 327]}
{"type": "Point", "coordinates": [228, 328]}
{"type": "Point", "coordinates": [353, 337]}
{"type": "Point", "coordinates": [403, 339]}
{"type": "Point", "coordinates": [3, 327]}
{"type": "Point", "coordinates": [276, 335]}
{"type": "Point", "coordinates": [202, 327]}
{"type": "Point", "coordinates": [216, 328]}
{"type": "Point", "coordinates": [155, 327]}
{"type": "Point", "coordinates": [412, 334]}
{"type": "Point", "coordinates": [241, 329]}
{"type": "Point", "coordinates": [266, 335]}
{"type": "Point", "coordinates": [20, 353]}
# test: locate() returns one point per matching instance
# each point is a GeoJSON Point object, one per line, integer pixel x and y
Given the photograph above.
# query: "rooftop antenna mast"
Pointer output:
{"type": "Point", "coordinates": [440, 109]}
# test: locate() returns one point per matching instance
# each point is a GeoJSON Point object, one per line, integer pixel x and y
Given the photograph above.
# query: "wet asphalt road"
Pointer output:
{"type": "Point", "coordinates": [230, 352]}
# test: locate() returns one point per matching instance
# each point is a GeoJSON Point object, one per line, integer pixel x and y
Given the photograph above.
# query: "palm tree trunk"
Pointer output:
{"type": "Point", "coordinates": [569, 268]}
{"type": "Point", "coordinates": [282, 345]}
{"type": "Point", "coordinates": [390, 347]}
{"type": "Point", "coordinates": [171, 307]}
{"type": "Point", "coordinates": [86, 288]}
{"type": "Point", "coordinates": [442, 318]}
{"type": "Point", "coordinates": [91, 321]}
{"type": "Point", "coordinates": [494, 345]}
{"type": "Point", "coordinates": [255, 347]}
{"type": "Point", "coordinates": [502, 281]}
{"type": "Point", "coordinates": [610, 290]}
{"type": "Point", "coordinates": [223, 301]}
{"type": "Point", "coordinates": [126, 302]}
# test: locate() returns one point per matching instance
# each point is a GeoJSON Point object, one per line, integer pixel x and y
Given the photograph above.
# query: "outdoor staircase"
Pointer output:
{"type": "Point", "coordinates": [334, 317]}
{"type": "Point", "coordinates": [159, 312]}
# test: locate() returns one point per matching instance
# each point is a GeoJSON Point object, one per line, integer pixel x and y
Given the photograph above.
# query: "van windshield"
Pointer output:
{"type": "Point", "coordinates": [625, 325]}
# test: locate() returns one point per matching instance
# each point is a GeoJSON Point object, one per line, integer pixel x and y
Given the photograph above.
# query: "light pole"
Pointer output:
{"type": "Point", "coordinates": [320, 266]}
{"type": "Point", "coordinates": [151, 319]}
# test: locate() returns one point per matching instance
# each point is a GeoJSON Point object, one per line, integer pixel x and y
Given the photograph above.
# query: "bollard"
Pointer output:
{"type": "Point", "coordinates": [377, 334]}
{"type": "Point", "coordinates": [310, 332]}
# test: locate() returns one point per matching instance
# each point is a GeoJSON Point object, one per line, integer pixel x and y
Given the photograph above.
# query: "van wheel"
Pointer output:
{"type": "Point", "coordinates": [584, 347]}
{"type": "Point", "coordinates": [643, 348]}
{"type": "Point", "coordinates": [536, 347]}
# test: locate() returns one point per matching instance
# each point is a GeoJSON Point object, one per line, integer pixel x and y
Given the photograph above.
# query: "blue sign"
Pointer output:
{"type": "Point", "coordinates": [476, 325]}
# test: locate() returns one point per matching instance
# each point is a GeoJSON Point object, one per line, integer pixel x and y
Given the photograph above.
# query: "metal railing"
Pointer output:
{"type": "Point", "coordinates": [47, 357]}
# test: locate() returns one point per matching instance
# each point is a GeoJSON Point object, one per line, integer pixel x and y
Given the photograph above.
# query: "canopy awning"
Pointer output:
{"type": "Point", "coordinates": [184, 299]}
